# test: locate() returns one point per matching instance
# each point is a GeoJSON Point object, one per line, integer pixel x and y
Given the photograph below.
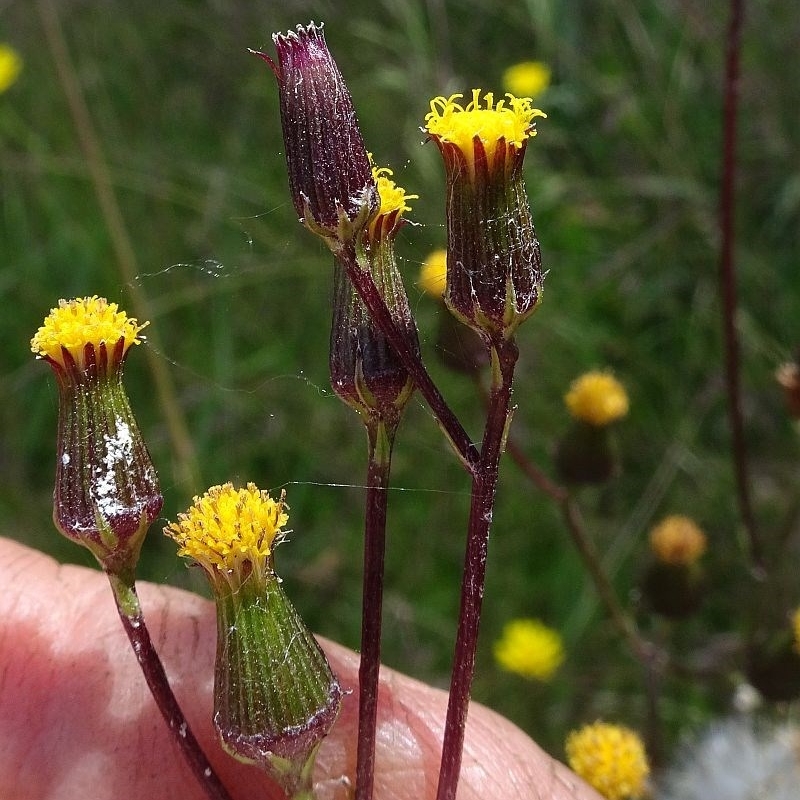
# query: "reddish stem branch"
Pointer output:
{"type": "Point", "coordinates": [153, 670]}
{"type": "Point", "coordinates": [484, 485]}
{"type": "Point", "coordinates": [727, 278]}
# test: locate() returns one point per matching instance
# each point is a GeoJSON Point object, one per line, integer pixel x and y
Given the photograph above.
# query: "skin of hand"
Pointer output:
{"type": "Point", "coordinates": [77, 720]}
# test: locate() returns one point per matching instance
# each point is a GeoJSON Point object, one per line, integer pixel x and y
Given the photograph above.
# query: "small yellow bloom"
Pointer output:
{"type": "Point", "coordinates": [796, 629]}
{"type": "Point", "coordinates": [433, 274]}
{"type": "Point", "coordinates": [84, 320]}
{"type": "Point", "coordinates": [392, 196]}
{"type": "Point", "coordinates": [527, 79]}
{"type": "Point", "coordinates": [10, 66]}
{"type": "Point", "coordinates": [677, 540]}
{"type": "Point", "coordinates": [529, 648]}
{"type": "Point", "coordinates": [611, 758]}
{"type": "Point", "coordinates": [231, 531]}
{"type": "Point", "coordinates": [510, 120]}
{"type": "Point", "coordinates": [597, 398]}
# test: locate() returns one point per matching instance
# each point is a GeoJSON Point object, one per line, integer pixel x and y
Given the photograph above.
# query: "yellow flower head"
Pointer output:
{"type": "Point", "coordinates": [510, 120]}
{"type": "Point", "coordinates": [597, 398]}
{"type": "Point", "coordinates": [433, 274]}
{"type": "Point", "coordinates": [10, 66]}
{"type": "Point", "coordinates": [231, 531]}
{"type": "Point", "coordinates": [529, 648]}
{"type": "Point", "coordinates": [677, 540]}
{"type": "Point", "coordinates": [85, 321]}
{"type": "Point", "coordinates": [796, 629]}
{"type": "Point", "coordinates": [611, 758]}
{"type": "Point", "coordinates": [526, 79]}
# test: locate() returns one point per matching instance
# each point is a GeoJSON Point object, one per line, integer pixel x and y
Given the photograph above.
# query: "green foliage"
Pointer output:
{"type": "Point", "coordinates": [623, 179]}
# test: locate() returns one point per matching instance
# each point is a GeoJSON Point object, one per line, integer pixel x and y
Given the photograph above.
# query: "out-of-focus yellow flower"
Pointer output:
{"type": "Point", "coordinates": [529, 648]}
{"type": "Point", "coordinates": [433, 274]}
{"type": "Point", "coordinates": [796, 629]}
{"type": "Point", "coordinates": [10, 66]}
{"type": "Point", "coordinates": [527, 79]}
{"type": "Point", "coordinates": [611, 758]}
{"type": "Point", "coordinates": [597, 397]}
{"type": "Point", "coordinates": [677, 540]}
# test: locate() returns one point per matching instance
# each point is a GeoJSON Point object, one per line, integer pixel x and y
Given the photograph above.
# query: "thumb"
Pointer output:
{"type": "Point", "coordinates": [77, 719]}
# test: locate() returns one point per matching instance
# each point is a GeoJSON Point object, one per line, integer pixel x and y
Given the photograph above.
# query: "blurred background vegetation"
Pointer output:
{"type": "Point", "coordinates": [623, 179]}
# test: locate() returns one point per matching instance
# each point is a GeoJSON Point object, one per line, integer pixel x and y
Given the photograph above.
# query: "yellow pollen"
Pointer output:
{"type": "Point", "coordinates": [597, 398]}
{"type": "Point", "coordinates": [510, 119]}
{"type": "Point", "coordinates": [611, 758]}
{"type": "Point", "coordinates": [677, 540]}
{"type": "Point", "coordinates": [227, 527]}
{"type": "Point", "coordinates": [433, 274]}
{"type": "Point", "coordinates": [84, 320]}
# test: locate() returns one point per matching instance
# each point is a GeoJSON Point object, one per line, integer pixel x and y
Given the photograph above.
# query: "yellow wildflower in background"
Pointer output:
{"type": "Point", "coordinates": [796, 629]}
{"type": "Point", "coordinates": [530, 649]}
{"type": "Point", "coordinates": [527, 79]}
{"type": "Point", "coordinates": [84, 320]}
{"type": "Point", "coordinates": [10, 66]}
{"type": "Point", "coordinates": [597, 397]}
{"type": "Point", "coordinates": [231, 531]}
{"type": "Point", "coordinates": [610, 758]}
{"type": "Point", "coordinates": [677, 540]}
{"type": "Point", "coordinates": [433, 274]}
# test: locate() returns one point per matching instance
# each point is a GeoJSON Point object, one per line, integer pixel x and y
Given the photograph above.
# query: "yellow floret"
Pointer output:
{"type": "Point", "coordinates": [677, 540]}
{"type": "Point", "coordinates": [10, 66]}
{"type": "Point", "coordinates": [392, 196]}
{"type": "Point", "coordinates": [227, 528]}
{"type": "Point", "coordinates": [597, 398]}
{"type": "Point", "coordinates": [529, 648]}
{"type": "Point", "coordinates": [526, 79]}
{"type": "Point", "coordinates": [84, 320]}
{"type": "Point", "coordinates": [611, 758]}
{"type": "Point", "coordinates": [433, 274]}
{"type": "Point", "coordinates": [510, 119]}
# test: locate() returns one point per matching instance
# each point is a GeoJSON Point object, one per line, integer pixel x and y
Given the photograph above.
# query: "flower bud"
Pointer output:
{"type": "Point", "coordinates": [494, 269]}
{"type": "Point", "coordinates": [275, 697]}
{"type": "Point", "coordinates": [365, 371]}
{"type": "Point", "coordinates": [330, 177]}
{"type": "Point", "coordinates": [107, 493]}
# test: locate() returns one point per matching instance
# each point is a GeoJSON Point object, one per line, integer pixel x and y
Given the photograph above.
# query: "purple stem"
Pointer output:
{"type": "Point", "coordinates": [484, 485]}
{"type": "Point", "coordinates": [727, 277]}
{"type": "Point", "coordinates": [132, 619]}
{"type": "Point", "coordinates": [381, 440]}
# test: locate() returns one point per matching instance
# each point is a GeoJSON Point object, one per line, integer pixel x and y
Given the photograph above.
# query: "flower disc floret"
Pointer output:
{"type": "Point", "coordinates": [677, 540]}
{"type": "Point", "coordinates": [510, 119]}
{"type": "Point", "coordinates": [597, 398]}
{"type": "Point", "coordinates": [84, 321]}
{"type": "Point", "coordinates": [392, 197]}
{"type": "Point", "coordinates": [611, 758]}
{"type": "Point", "coordinates": [227, 529]}
{"type": "Point", "coordinates": [530, 649]}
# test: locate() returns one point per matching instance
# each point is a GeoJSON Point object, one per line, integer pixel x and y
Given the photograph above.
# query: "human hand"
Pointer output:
{"type": "Point", "coordinates": [77, 719]}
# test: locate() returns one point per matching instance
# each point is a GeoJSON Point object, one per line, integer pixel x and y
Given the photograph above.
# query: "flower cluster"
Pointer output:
{"type": "Point", "coordinates": [530, 649]}
{"type": "Point", "coordinates": [597, 398]}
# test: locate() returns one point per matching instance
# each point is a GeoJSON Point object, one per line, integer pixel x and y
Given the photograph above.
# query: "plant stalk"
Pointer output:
{"type": "Point", "coordinates": [728, 287]}
{"type": "Point", "coordinates": [484, 486]}
{"type": "Point", "coordinates": [130, 613]}
{"type": "Point", "coordinates": [381, 440]}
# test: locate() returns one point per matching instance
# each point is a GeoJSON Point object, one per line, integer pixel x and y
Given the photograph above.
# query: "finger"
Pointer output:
{"type": "Point", "coordinates": [76, 718]}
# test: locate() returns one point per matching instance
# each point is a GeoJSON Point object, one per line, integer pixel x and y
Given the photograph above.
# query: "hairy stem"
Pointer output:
{"type": "Point", "coordinates": [484, 485]}
{"type": "Point", "coordinates": [381, 440]}
{"type": "Point", "coordinates": [130, 613]}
